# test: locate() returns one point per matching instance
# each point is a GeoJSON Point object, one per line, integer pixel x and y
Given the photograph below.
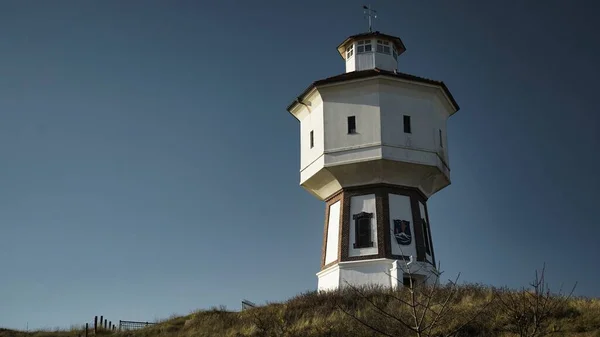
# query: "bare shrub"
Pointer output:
{"type": "Point", "coordinates": [418, 309]}
{"type": "Point", "coordinates": [532, 312]}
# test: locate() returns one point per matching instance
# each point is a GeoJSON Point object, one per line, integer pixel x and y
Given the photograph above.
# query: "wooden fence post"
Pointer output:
{"type": "Point", "coordinates": [105, 321]}
{"type": "Point", "coordinates": [86, 329]}
{"type": "Point", "coordinates": [101, 321]}
{"type": "Point", "coordinates": [109, 325]}
{"type": "Point", "coordinates": [95, 324]}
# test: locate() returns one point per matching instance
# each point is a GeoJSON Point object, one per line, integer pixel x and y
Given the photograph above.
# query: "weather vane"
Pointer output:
{"type": "Point", "coordinates": [372, 14]}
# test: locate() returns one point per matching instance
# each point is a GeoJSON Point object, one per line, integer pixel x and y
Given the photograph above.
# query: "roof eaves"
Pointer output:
{"type": "Point", "coordinates": [301, 97]}
{"type": "Point", "coordinates": [357, 75]}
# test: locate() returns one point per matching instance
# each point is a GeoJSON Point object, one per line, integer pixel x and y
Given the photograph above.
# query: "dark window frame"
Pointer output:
{"type": "Point", "coordinates": [441, 142]}
{"type": "Point", "coordinates": [351, 124]}
{"type": "Point", "coordinates": [360, 220]}
{"type": "Point", "coordinates": [426, 236]}
{"type": "Point", "coordinates": [312, 139]}
{"type": "Point", "coordinates": [407, 124]}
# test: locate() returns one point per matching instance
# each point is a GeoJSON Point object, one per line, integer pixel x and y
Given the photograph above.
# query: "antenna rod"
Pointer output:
{"type": "Point", "coordinates": [372, 14]}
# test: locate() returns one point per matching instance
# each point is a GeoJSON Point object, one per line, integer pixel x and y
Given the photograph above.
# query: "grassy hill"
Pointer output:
{"type": "Point", "coordinates": [476, 310]}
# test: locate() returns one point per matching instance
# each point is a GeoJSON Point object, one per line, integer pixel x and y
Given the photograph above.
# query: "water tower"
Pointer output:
{"type": "Point", "coordinates": [374, 148]}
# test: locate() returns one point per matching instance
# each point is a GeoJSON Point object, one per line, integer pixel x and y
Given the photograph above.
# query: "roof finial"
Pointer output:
{"type": "Point", "coordinates": [372, 14]}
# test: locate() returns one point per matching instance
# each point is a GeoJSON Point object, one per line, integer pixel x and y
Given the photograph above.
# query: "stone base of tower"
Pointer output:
{"type": "Point", "coordinates": [381, 272]}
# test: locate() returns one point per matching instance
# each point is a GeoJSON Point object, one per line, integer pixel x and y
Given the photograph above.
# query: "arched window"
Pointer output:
{"type": "Point", "coordinates": [362, 230]}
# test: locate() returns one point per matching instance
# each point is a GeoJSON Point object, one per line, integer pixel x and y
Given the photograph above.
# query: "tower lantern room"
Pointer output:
{"type": "Point", "coordinates": [371, 50]}
{"type": "Point", "coordinates": [374, 147]}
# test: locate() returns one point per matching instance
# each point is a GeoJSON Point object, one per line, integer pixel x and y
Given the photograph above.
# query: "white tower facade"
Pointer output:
{"type": "Point", "coordinates": [374, 148]}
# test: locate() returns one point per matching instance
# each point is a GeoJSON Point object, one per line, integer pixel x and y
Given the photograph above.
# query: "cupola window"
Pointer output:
{"type": "Point", "coordinates": [363, 46]}
{"type": "Point", "coordinates": [349, 51]}
{"type": "Point", "coordinates": [383, 47]}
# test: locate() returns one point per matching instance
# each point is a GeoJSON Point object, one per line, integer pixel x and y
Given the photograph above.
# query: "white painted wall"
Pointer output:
{"type": "Point", "coordinates": [350, 63]}
{"type": "Point", "coordinates": [366, 272]}
{"type": "Point", "coordinates": [359, 100]}
{"type": "Point", "coordinates": [379, 110]}
{"type": "Point", "coordinates": [365, 61]}
{"type": "Point", "coordinates": [358, 204]}
{"type": "Point", "coordinates": [311, 120]}
{"type": "Point", "coordinates": [383, 272]}
{"type": "Point", "coordinates": [422, 210]}
{"type": "Point", "coordinates": [333, 231]}
{"type": "Point", "coordinates": [378, 105]}
{"type": "Point", "coordinates": [398, 99]}
{"type": "Point", "coordinates": [399, 206]}
{"type": "Point", "coordinates": [329, 279]}
{"type": "Point", "coordinates": [385, 62]}
{"type": "Point", "coordinates": [421, 271]}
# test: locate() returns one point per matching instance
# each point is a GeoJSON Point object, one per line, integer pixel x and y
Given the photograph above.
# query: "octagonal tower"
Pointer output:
{"type": "Point", "coordinates": [374, 148]}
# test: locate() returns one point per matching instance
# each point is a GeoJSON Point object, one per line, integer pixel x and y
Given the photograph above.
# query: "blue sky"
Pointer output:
{"type": "Point", "coordinates": [149, 166]}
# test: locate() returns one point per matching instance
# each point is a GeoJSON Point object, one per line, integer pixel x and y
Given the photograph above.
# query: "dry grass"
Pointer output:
{"type": "Point", "coordinates": [314, 314]}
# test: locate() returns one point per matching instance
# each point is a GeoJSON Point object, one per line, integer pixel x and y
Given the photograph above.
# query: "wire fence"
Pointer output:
{"type": "Point", "coordinates": [133, 325]}
{"type": "Point", "coordinates": [103, 324]}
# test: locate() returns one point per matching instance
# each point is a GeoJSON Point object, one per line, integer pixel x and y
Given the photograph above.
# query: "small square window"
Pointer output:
{"type": "Point", "coordinates": [363, 46]}
{"type": "Point", "coordinates": [407, 124]}
{"type": "Point", "coordinates": [312, 139]}
{"type": "Point", "coordinates": [352, 124]}
{"type": "Point", "coordinates": [383, 47]}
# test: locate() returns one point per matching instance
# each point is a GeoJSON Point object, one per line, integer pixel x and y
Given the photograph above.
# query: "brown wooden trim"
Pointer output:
{"type": "Point", "coordinates": [362, 257]}
{"type": "Point", "coordinates": [396, 189]}
{"type": "Point", "coordinates": [385, 207]}
{"type": "Point", "coordinates": [345, 217]}
{"type": "Point", "coordinates": [337, 195]}
{"type": "Point", "coordinates": [382, 209]}
{"type": "Point", "coordinates": [380, 218]}
{"type": "Point", "coordinates": [430, 237]}
{"type": "Point", "coordinates": [400, 257]}
{"type": "Point", "coordinates": [342, 200]}
{"type": "Point", "coordinates": [324, 245]}
{"type": "Point", "coordinates": [418, 226]}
